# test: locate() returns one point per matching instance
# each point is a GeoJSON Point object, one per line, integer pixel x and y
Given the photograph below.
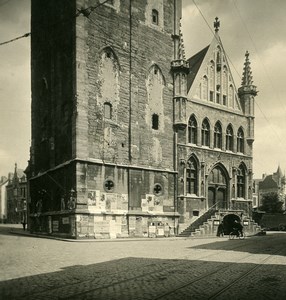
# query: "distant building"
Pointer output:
{"type": "Point", "coordinates": [16, 191]}
{"type": "Point", "coordinates": [255, 193]}
{"type": "Point", "coordinates": [272, 183]}
{"type": "Point", "coordinates": [3, 199]}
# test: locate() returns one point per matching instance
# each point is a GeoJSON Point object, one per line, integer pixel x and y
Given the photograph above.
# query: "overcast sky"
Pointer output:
{"type": "Point", "coordinates": [258, 26]}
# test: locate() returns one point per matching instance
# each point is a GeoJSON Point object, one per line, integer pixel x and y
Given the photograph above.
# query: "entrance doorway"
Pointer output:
{"type": "Point", "coordinates": [228, 222]}
{"type": "Point", "coordinates": [217, 188]}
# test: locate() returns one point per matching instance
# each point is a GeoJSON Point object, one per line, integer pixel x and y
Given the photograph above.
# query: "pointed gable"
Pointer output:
{"type": "Point", "coordinates": [268, 183]}
{"type": "Point", "coordinates": [210, 80]}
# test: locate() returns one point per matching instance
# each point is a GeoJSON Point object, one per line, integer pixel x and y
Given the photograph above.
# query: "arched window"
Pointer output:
{"type": "Point", "coordinates": [205, 133]}
{"type": "Point", "coordinates": [212, 80]}
{"type": "Point", "coordinates": [193, 130]}
{"type": "Point", "coordinates": [107, 110]}
{"type": "Point", "coordinates": [240, 140]}
{"type": "Point", "coordinates": [155, 17]}
{"type": "Point", "coordinates": [241, 182]}
{"type": "Point", "coordinates": [192, 176]}
{"type": "Point", "coordinates": [224, 86]}
{"type": "Point", "coordinates": [217, 136]}
{"type": "Point", "coordinates": [229, 138]}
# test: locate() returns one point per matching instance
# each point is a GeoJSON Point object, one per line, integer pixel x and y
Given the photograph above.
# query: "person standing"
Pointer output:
{"type": "Point", "coordinates": [220, 230]}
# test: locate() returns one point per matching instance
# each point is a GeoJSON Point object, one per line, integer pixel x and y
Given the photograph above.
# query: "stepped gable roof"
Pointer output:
{"type": "Point", "coordinates": [268, 183]}
{"type": "Point", "coordinates": [195, 64]}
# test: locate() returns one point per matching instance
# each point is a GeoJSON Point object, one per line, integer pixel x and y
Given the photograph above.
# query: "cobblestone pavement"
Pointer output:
{"type": "Point", "coordinates": [171, 268]}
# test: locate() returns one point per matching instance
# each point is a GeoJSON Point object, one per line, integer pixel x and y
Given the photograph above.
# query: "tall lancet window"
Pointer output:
{"type": "Point", "coordinates": [240, 140]}
{"type": "Point", "coordinates": [217, 136]}
{"type": "Point", "coordinates": [193, 130]}
{"type": "Point", "coordinates": [192, 176]}
{"type": "Point", "coordinates": [231, 96]}
{"type": "Point", "coordinates": [212, 80]}
{"type": "Point", "coordinates": [205, 133]}
{"type": "Point", "coordinates": [229, 138]}
{"type": "Point", "coordinates": [241, 182]}
{"type": "Point", "coordinates": [205, 88]}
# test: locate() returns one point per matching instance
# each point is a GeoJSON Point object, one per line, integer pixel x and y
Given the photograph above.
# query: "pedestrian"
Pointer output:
{"type": "Point", "coordinates": [220, 230]}
{"type": "Point", "coordinates": [24, 223]}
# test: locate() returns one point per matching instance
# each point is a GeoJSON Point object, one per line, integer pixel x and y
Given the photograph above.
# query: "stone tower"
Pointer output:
{"type": "Point", "coordinates": [102, 156]}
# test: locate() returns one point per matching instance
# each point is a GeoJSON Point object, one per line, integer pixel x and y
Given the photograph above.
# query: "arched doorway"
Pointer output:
{"type": "Point", "coordinates": [217, 188]}
{"type": "Point", "coordinates": [228, 222]}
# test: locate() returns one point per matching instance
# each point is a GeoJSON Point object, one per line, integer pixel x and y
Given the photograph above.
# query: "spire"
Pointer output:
{"type": "Point", "coordinates": [247, 74]}
{"type": "Point", "coordinates": [279, 171]}
{"type": "Point", "coordinates": [181, 45]}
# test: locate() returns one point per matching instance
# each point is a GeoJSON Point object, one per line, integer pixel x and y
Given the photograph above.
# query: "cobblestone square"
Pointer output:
{"type": "Point", "coordinates": [166, 268]}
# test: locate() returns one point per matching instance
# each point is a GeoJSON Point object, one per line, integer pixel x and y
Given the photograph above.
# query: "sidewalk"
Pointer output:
{"type": "Point", "coordinates": [20, 231]}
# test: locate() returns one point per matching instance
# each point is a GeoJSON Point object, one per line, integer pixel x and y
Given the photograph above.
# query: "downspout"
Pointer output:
{"type": "Point", "coordinates": [130, 114]}
{"type": "Point", "coordinates": [175, 162]}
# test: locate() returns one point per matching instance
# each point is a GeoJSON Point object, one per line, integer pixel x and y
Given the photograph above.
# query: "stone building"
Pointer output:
{"type": "Point", "coordinates": [16, 191]}
{"type": "Point", "coordinates": [3, 199]}
{"type": "Point", "coordinates": [275, 183]}
{"type": "Point", "coordinates": [129, 138]}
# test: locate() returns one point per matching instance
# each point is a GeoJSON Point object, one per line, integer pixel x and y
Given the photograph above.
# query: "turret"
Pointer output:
{"type": "Point", "coordinates": [246, 93]}
{"type": "Point", "coordinates": [180, 69]}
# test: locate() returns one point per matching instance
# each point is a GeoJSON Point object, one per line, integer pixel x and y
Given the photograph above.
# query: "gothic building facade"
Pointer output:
{"type": "Point", "coordinates": [129, 138]}
{"type": "Point", "coordinates": [16, 193]}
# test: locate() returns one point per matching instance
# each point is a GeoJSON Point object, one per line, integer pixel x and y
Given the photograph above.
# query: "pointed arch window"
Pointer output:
{"type": "Point", "coordinates": [241, 182]}
{"type": "Point", "coordinates": [192, 176]}
{"type": "Point", "coordinates": [240, 140]}
{"type": "Point", "coordinates": [217, 136]}
{"type": "Point", "coordinates": [193, 130]}
{"type": "Point", "coordinates": [212, 77]}
{"type": "Point", "coordinates": [229, 138]}
{"type": "Point", "coordinates": [205, 133]}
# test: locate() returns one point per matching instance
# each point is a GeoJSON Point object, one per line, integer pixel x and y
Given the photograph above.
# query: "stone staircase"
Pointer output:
{"type": "Point", "coordinates": [205, 225]}
{"type": "Point", "coordinates": [203, 219]}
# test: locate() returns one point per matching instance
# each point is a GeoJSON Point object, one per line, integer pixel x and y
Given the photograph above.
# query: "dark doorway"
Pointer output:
{"type": "Point", "coordinates": [228, 222]}
{"type": "Point", "coordinates": [211, 197]}
{"type": "Point", "coordinates": [221, 198]}
{"type": "Point", "coordinates": [217, 188]}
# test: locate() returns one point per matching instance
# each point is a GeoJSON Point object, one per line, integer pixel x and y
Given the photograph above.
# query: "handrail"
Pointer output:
{"type": "Point", "coordinates": [213, 206]}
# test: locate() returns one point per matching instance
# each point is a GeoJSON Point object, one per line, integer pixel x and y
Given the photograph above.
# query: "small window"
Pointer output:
{"type": "Point", "coordinates": [107, 110]}
{"type": "Point", "coordinates": [155, 19]}
{"type": "Point", "coordinates": [211, 96]}
{"type": "Point", "coordinates": [155, 122]}
{"type": "Point", "coordinates": [196, 213]}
